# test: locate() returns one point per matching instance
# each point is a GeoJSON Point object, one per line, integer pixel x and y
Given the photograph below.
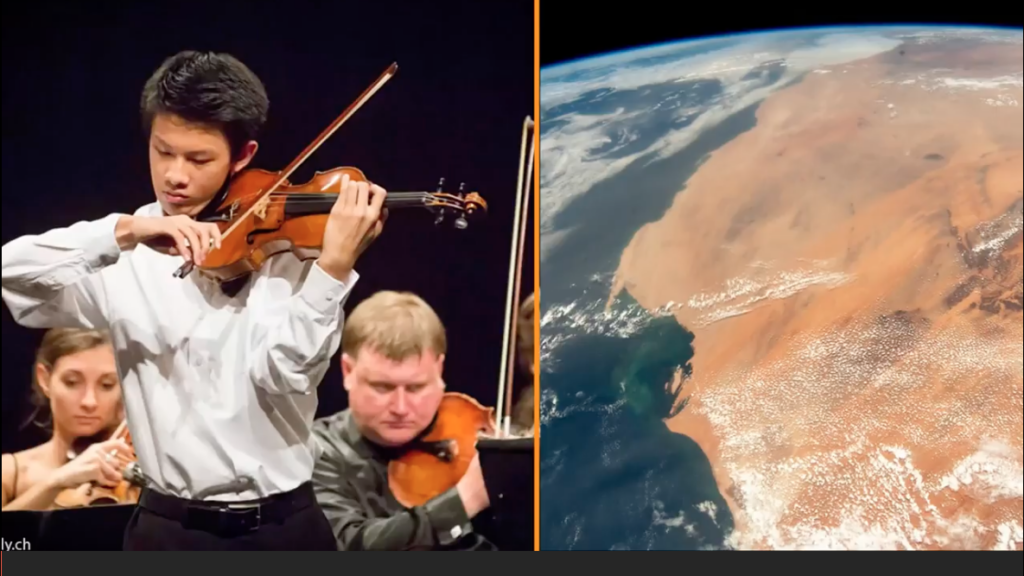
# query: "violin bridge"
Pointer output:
{"type": "Point", "coordinates": [261, 208]}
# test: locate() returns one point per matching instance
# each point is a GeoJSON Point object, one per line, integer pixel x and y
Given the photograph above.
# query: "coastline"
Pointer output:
{"type": "Point", "coordinates": [854, 221]}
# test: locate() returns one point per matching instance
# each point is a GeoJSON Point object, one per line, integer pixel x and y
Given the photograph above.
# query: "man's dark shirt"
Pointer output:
{"type": "Point", "coordinates": [351, 483]}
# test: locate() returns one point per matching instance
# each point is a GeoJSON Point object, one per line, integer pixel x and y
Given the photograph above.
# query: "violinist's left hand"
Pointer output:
{"type": "Point", "coordinates": [356, 220]}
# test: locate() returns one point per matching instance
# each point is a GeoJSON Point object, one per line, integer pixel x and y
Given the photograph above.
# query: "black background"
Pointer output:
{"type": "Point", "coordinates": [73, 147]}
{"type": "Point", "coordinates": [568, 32]}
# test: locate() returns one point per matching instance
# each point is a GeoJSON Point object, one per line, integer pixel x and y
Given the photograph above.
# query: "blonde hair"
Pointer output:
{"type": "Point", "coordinates": [396, 325]}
{"type": "Point", "coordinates": [58, 343]}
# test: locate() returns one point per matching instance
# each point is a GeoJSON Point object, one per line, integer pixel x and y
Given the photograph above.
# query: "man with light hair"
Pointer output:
{"type": "Point", "coordinates": [393, 352]}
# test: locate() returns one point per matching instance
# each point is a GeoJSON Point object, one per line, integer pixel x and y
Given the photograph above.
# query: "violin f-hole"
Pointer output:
{"type": "Point", "coordinates": [250, 238]}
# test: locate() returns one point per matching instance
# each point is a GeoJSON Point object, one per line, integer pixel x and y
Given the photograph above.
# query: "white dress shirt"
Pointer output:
{"type": "Point", "coordinates": [220, 392]}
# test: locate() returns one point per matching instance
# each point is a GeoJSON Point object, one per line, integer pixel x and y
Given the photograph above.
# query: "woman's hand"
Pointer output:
{"type": "Point", "coordinates": [102, 463]}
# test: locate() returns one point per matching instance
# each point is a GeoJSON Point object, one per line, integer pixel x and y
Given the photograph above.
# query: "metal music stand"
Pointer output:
{"type": "Point", "coordinates": [508, 468]}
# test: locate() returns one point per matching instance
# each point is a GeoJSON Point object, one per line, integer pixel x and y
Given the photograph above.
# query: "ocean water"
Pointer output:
{"type": "Point", "coordinates": [612, 475]}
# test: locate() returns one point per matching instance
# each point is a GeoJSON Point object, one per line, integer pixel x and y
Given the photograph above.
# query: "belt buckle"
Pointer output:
{"type": "Point", "coordinates": [240, 519]}
{"type": "Point", "coordinates": [225, 520]}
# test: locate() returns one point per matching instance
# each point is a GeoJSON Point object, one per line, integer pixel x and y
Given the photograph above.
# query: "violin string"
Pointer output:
{"type": "Point", "coordinates": [398, 200]}
{"type": "Point", "coordinates": [319, 196]}
{"type": "Point", "coordinates": [331, 201]}
{"type": "Point", "coordinates": [334, 200]}
{"type": "Point", "coordinates": [328, 204]}
{"type": "Point", "coordinates": [334, 197]}
{"type": "Point", "coordinates": [285, 192]}
{"type": "Point", "coordinates": [326, 194]}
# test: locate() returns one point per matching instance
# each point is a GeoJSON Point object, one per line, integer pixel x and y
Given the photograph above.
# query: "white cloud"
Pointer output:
{"type": "Point", "coordinates": [568, 170]}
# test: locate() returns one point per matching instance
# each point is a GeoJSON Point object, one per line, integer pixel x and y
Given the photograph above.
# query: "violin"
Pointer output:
{"type": "Point", "coordinates": [437, 461]}
{"type": "Point", "coordinates": [434, 463]}
{"type": "Point", "coordinates": [262, 214]}
{"type": "Point", "coordinates": [92, 494]}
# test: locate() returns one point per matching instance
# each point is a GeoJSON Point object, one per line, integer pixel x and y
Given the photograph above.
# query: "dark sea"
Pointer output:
{"type": "Point", "coordinates": [613, 477]}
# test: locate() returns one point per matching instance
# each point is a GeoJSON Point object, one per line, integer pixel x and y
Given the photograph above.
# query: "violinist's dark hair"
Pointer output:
{"type": "Point", "coordinates": [208, 88]}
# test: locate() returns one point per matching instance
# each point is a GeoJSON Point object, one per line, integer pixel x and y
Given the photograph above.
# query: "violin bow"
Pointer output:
{"type": "Point", "coordinates": [305, 154]}
{"type": "Point", "coordinates": [515, 280]}
{"type": "Point", "coordinates": [121, 432]}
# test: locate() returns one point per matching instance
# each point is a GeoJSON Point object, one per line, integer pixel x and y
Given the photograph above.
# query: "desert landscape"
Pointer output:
{"type": "Point", "coordinates": [852, 271]}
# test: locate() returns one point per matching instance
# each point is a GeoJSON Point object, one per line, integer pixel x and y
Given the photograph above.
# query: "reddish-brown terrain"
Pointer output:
{"type": "Point", "coordinates": [852, 270]}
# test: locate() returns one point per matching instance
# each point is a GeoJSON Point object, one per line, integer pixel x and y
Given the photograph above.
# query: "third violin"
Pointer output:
{"type": "Point", "coordinates": [439, 459]}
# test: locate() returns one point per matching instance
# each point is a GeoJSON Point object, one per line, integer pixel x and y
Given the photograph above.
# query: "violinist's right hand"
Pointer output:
{"type": "Point", "coordinates": [175, 235]}
{"type": "Point", "coordinates": [472, 489]}
{"type": "Point", "coordinates": [101, 463]}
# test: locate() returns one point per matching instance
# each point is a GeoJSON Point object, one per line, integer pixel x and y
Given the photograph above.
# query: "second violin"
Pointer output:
{"type": "Point", "coordinates": [91, 494]}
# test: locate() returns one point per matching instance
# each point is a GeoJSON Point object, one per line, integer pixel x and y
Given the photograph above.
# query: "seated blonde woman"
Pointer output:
{"type": "Point", "coordinates": [77, 392]}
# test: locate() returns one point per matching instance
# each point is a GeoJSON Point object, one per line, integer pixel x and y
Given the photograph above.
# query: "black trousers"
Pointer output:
{"type": "Point", "coordinates": [287, 522]}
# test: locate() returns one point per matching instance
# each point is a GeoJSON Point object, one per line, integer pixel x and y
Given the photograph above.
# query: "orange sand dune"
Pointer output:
{"type": "Point", "coordinates": [856, 298]}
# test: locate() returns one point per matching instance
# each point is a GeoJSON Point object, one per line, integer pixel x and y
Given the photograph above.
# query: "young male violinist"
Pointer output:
{"type": "Point", "coordinates": [220, 386]}
{"type": "Point", "coordinates": [393, 352]}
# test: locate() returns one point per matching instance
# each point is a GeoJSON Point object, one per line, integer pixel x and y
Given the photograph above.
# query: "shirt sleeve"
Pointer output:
{"type": "Point", "coordinates": [49, 280]}
{"type": "Point", "coordinates": [297, 315]}
{"type": "Point", "coordinates": [441, 522]}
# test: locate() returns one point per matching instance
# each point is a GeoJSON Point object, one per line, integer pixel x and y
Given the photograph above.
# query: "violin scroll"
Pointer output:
{"type": "Point", "coordinates": [467, 206]}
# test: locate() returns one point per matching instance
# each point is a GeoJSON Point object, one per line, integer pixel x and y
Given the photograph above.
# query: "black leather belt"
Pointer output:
{"type": "Point", "coordinates": [229, 518]}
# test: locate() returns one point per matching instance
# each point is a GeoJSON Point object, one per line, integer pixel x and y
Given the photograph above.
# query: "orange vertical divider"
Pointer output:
{"type": "Point", "coordinates": [536, 277]}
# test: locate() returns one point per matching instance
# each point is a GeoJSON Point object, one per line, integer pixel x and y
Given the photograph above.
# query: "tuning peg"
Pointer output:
{"type": "Point", "coordinates": [440, 185]}
{"type": "Point", "coordinates": [462, 187]}
{"type": "Point", "coordinates": [461, 223]}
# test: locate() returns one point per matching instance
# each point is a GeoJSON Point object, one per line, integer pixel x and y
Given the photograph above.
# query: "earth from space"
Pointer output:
{"type": "Point", "coordinates": [781, 293]}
